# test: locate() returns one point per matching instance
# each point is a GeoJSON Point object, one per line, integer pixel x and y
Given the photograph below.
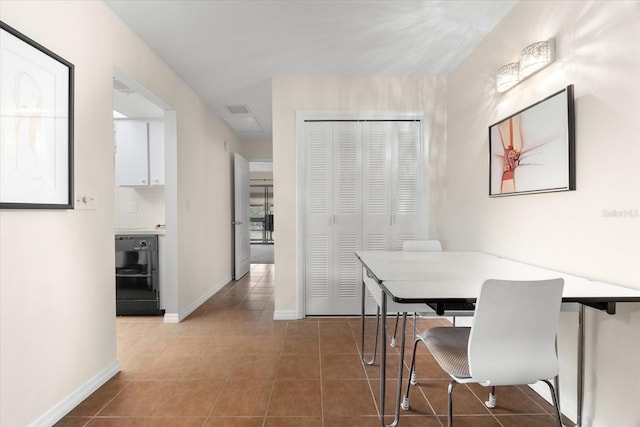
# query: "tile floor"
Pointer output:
{"type": "Point", "coordinates": [230, 364]}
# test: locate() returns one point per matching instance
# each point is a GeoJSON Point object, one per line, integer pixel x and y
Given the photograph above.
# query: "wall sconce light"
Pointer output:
{"type": "Point", "coordinates": [508, 76]}
{"type": "Point", "coordinates": [533, 58]}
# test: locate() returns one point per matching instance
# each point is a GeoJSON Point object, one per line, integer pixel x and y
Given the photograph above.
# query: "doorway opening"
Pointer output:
{"type": "Point", "coordinates": [146, 191]}
{"type": "Point", "coordinates": [261, 211]}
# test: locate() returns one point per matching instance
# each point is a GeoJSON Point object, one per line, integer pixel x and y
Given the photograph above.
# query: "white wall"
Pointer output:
{"type": "Point", "coordinates": [598, 50]}
{"type": "Point", "coordinates": [149, 202]}
{"type": "Point", "coordinates": [57, 293]}
{"type": "Point", "coordinates": [294, 94]}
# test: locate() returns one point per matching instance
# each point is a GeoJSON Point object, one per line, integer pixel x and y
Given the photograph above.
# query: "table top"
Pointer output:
{"type": "Point", "coordinates": [418, 277]}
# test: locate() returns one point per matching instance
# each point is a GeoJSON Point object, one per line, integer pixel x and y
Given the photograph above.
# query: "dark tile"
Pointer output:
{"type": "Point", "coordinates": [528, 421]}
{"type": "Point", "coordinates": [243, 398]}
{"type": "Point", "coordinates": [298, 366]}
{"type": "Point", "coordinates": [138, 399]}
{"type": "Point", "coordinates": [293, 422]}
{"type": "Point", "coordinates": [234, 422]}
{"type": "Point", "coordinates": [175, 422]}
{"type": "Point", "coordinates": [301, 345]}
{"type": "Point", "coordinates": [347, 397]}
{"type": "Point", "coordinates": [117, 422]}
{"type": "Point", "coordinates": [342, 366]}
{"type": "Point", "coordinates": [190, 399]}
{"type": "Point", "coordinates": [464, 401]}
{"type": "Point", "coordinates": [338, 344]}
{"type": "Point", "coordinates": [509, 400]}
{"type": "Point", "coordinates": [472, 421]}
{"type": "Point", "coordinates": [295, 398]}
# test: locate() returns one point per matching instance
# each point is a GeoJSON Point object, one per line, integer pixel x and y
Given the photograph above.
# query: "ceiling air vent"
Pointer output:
{"type": "Point", "coordinates": [121, 87]}
{"type": "Point", "coordinates": [237, 109]}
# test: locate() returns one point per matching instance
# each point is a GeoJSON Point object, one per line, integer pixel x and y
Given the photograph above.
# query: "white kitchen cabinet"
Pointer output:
{"type": "Point", "coordinates": [139, 153]}
{"type": "Point", "coordinates": [156, 153]}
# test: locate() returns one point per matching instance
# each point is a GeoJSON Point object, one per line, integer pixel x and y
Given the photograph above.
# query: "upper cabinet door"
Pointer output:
{"type": "Point", "coordinates": [131, 146]}
{"type": "Point", "coordinates": [156, 153]}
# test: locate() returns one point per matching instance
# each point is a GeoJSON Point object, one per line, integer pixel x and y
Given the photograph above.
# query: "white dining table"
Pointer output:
{"type": "Point", "coordinates": [441, 278]}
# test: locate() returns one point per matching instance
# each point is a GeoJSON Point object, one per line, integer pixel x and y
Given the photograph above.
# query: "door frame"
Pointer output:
{"type": "Point", "coordinates": [301, 118]}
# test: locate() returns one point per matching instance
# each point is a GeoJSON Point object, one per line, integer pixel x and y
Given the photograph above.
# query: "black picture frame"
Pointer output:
{"type": "Point", "coordinates": [36, 113]}
{"type": "Point", "coordinates": [533, 150]}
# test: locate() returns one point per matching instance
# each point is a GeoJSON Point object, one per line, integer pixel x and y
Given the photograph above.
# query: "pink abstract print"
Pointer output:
{"type": "Point", "coordinates": [512, 142]}
{"type": "Point", "coordinates": [529, 151]}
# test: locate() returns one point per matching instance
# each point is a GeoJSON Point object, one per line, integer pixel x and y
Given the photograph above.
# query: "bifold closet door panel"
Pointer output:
{"type": "Point", "coordinates": [318, 213]}
{"type": "Point", "coordinates": [347, 223]}
{"type": "Point", "coordinates": [392, 171]}
{"type": "Point", "coordinates": [406, 218]}
{"type": "Point", "coordinates": [333, 212]}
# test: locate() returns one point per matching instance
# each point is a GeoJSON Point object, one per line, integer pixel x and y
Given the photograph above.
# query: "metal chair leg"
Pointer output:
{"type": "Point", "coordinates": [405, 399]}
{"type": "Point", "coordinates": [452, 384]}
{"type": "Point", "coordinates": [395, 331]}
{"type": "Point", "coordinates": [491, 403]}
{"type": "Point", "coordinates": [555, 402]}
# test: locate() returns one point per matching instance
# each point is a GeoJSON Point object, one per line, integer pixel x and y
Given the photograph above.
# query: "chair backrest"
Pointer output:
{"type": "Point", "coordinates": [513, 334]}
{"type": "Point", "coordinates": [422, 245]}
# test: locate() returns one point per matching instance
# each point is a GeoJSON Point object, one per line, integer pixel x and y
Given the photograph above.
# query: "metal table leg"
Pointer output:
{"type": "Point", "coordinates": [383, 364]}
{"type": "Point", "coordinates": [362, 322]}
{"type": "Point", "coordinates": [580, 389]}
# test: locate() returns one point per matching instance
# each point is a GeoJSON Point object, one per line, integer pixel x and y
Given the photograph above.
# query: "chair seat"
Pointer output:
{"type": "Point", "coordinates": [449, 347]}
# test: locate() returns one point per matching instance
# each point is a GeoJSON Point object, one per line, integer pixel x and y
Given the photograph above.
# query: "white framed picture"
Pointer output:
{"type": "Point", "coordinates": [36, 117]}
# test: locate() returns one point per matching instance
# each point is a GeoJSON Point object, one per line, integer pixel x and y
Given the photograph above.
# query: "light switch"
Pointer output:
{"type": "Point", "coordinates": [132, 207]}
{"type": "Point", "coordinates": [85, 202]}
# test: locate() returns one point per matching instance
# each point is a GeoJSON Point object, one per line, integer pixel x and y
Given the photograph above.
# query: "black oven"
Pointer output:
{"type": "Point", "coordinates": [137, 290]}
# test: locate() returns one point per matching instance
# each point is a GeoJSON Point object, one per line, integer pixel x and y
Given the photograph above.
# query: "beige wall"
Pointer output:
{"type": "Point", "coordinates": [298, 94]}
{"type": "Point", "coordinates": [598, 50]}
{"type": "Point", "coordinates": [256, 150]}
{"type": "Point", "coordinates": [57, 293]}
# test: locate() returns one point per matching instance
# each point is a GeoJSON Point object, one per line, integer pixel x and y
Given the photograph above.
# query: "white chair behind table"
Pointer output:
{"type": "Point", "coordinates": [419, 246]}
{"type": "Point", "coordinates": [422, 245]}
{"type": "Point", "coordinates": [512, 340]}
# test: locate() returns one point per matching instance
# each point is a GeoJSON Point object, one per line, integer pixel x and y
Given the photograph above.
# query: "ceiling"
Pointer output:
{"type": "Point", "coordinates": [228, 51]}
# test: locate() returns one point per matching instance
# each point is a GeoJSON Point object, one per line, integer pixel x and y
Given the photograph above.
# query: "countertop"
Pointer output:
{"type": "Point", "coordinates": [141, 231]}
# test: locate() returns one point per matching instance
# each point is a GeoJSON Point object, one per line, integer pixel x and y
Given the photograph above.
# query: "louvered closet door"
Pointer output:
{"type": "Point", "coordinates": [361, 192]}
{"type": "Point", "coordinates": [392, 159]}
{"type": "Point", "coordinates": [318, 216]}
{"type": "Point", "coordinates": [347, 227]}
{"type": "Point", "coordinates": [333, 184]}
{"type": "Point", "coordinates": [407, 221]}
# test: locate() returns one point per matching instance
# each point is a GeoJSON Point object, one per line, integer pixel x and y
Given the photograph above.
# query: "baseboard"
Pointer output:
{"type": "Point", "coordinates": [171, 318]}
{"type": "Point", "coordinates": [197, 303]}
{"type": "Point", "coordinates": [62, 408]}
{"type": "Point", "coordinates": [568, 408]}
{"type": "Point", "coordinates": [285, 315]}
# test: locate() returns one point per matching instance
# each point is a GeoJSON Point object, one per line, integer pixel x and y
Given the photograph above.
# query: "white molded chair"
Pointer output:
{"type": "Point", "coordinates": [422, 245]}
{"type": "Point", "coordinates": [512, 340]}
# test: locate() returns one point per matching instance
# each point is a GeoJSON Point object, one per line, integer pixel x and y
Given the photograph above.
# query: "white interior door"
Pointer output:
{"type": "Point", "coordinates": [241, 216]}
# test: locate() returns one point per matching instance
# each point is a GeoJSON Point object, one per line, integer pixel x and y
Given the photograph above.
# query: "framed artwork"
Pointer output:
{"type": "Point", "coordinates": [533, 151]}
{"type": "Point", "coordinates": [36, 118]}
